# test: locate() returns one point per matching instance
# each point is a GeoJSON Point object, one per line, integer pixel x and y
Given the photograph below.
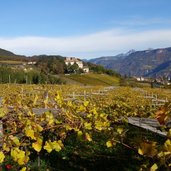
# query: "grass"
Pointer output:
{"type": "Point", "coordinates": [11, 62]}
{"type": "Point", "coordinates": [94, 79]}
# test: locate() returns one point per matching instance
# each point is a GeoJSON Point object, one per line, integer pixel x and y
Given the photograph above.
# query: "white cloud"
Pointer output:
{"type": "Point", "coordinates": [108, 42]}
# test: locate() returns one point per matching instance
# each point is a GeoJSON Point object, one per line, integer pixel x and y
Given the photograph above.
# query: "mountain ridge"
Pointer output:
{"type": "Point", "coordinates": [147, 63]}
{"type": "Point", "coordinates": [8, 55]}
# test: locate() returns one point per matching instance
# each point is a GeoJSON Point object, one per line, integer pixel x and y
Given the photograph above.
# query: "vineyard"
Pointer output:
{"type": "Point", "coordinates": [50, 127]}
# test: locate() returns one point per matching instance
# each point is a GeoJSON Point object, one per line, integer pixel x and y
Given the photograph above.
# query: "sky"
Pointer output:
{"type": "Point", "coordinates": [84, 28]}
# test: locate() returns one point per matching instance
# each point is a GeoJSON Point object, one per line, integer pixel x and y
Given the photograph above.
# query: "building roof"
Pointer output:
{"type": "Point", "coordinates": [72, 59]}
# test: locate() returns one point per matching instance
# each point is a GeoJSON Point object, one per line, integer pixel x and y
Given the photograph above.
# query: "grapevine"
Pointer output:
{"type": "Point", "coordinates": [90, 126]}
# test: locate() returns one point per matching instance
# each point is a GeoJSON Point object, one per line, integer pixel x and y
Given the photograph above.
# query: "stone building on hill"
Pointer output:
{"type": "Point", "coordinates": [73, 60]}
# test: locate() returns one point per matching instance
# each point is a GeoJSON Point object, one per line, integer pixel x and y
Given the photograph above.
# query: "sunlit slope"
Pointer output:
{"type": "Point", "coordinates": [94, 79]}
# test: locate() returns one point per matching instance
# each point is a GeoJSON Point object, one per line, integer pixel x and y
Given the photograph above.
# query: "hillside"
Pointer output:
{"type": "Point", "coordinates": [51, 69]}
{"type": "Point", "coordinates": [92, 79]}
{"type": "Point", "coordinates": [149, 63]}
{"type": "Point", "coordinates": [7, 55]}
{"type": "Point", "coordinates": [4, 52]}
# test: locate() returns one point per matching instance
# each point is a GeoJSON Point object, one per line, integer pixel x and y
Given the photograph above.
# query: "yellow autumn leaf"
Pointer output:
{"type": "Point", "coordinates": [87, 125]}
{"type": "Point", "coordinates": [154, 167]}
{"type": "Point", "coordinates": [167, 145]}
{"type": "Point", "coordinates": [51, 121]}
{"type": "Point", "coordinates": [14, 153]}
{"type": "Point", "coordinates": [37, 145]}
{"type": "Point", "coordinates": [35, 100]}
{"type": "Point", "coordinates": [5, 147]}
{"type": "Point", "coordinates": [81, 108]}
{"type": "Point", "coordinates": [89, 115]}
{"type": "Point", "coordinates": [94, 111]}
{"type": "Point", "coordinates": [2, 112]}
{"type": "Point", "coordinates": [104, 116]}
{"type": "Point", "coordinates": [18, 156]}
{"type": "Point", "coordinates": [166, 153]}
{"type": "Point", "coordinates": [86, 103]}
{"type": "Point", "coordinates": [46, 102]}
{"type": "Point", "coordinates": [79, 133]}
{"type": "Point", "coordinates": [161, 154]}
{"type": "Point", "coordinates": [88, 137]}
{"type": "Point", "coordinates": [99, 125]}
{"type": "Point", "coordinates": [169, 133]}
{"type": "Point", "coordinates": [23, 169]}
{"type": "Point", "coordinates": [39, 128]}
{"type": "Point", "coordinates": [68, 127]}
{"type": "Point", "coordinates": [15, 140]}
{"type": "Point", "coordinates": [140, 151]}
{"type": "Point", "coordinates": [57, 96]}
{"type": "Point", "coordinates": [48, 146]}
{"type": "Point", "coordinates": [59, 99]}
{"type": "Point", "coordinates": [2, 157]}
{"type": "Point", "coordinates": [69, 103]}
{"type": "Point", "coordinates": [109, 144]}
{"type": "Point", "coordinates": [21, 159]}
{"type": "Point", "coordinates": [30, 133]}
{"type": "Point", "coordinates": [148, 148]}
{"type": "Point", "coordinates": [56, 145]}
{"type": "Point", "coordinates": [120, 130]}
{"type": "Point", "coordinates": [60, 143]}
{"type": "Point", "coordinates": [49, 118]}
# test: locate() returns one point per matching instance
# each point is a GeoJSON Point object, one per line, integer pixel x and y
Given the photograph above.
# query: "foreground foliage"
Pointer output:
{"type": "Point", "coordinates": [78, 134]}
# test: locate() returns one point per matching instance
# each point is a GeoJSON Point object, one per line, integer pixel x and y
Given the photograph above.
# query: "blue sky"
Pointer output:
{"type": "Point", "coordinates": [84, 28]}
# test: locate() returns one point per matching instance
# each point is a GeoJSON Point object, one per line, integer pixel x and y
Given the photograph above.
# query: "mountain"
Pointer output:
{"type": "Point", "coordinates": [149, 63]}
{"type": "Point", "coordinates": [4, 52]}
{"type": "Point", "coordinates": [7, 55]}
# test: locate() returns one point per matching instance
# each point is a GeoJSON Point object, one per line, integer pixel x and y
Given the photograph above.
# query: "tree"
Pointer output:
{"type": "Point", "coordinates": [72, 68]}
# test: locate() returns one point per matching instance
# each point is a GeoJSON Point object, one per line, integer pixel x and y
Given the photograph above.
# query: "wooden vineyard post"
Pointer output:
{"type": "Point", "coordinates": [1, 132]}
{"type": "Point", "coordinates": [84, 95]}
